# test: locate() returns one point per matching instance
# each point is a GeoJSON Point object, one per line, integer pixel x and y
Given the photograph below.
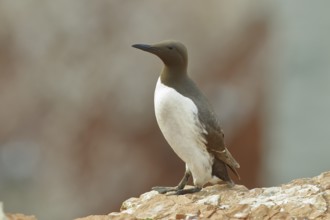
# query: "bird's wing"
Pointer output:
{"type": "Point", "coordinates": [215, 144]}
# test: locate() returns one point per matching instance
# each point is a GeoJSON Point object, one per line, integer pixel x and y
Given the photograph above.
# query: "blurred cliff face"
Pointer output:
{"type": "Point", "coordinates": [77, 127]}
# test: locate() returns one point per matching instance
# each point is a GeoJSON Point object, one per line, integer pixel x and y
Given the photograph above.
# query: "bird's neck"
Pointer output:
{"type": "Point", "coordinates": [170, 75]}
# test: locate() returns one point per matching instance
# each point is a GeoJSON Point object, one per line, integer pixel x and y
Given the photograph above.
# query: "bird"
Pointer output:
{"type": "Point", "coordinates": [188, 122]}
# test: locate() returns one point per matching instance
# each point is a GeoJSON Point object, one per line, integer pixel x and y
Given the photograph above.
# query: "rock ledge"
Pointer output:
{"type": "Point", "coordinates": [307, 198]}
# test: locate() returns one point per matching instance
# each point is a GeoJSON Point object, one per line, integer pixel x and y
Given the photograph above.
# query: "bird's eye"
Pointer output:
{"type": "Point", "coordinates": [170, 48]}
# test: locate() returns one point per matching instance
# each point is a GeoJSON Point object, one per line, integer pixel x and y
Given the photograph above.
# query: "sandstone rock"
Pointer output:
{"type": "Point", "coordinates": [307, 198]}
{"type": "Point", "coordinates": [9, 216]}
{"type": "Point", "coordinates": [20, 217]}
{"type": "Point", "coordinates": [2, 214]}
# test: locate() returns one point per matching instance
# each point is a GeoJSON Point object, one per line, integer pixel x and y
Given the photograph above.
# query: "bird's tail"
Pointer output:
{"type": "Point", "coordinates": [219, 169]}
{"type": "Point", "coordinates": [229, 160]}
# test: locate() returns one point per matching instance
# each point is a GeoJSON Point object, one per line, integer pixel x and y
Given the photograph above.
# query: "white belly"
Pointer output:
{"type": "Point", "coordinates": [177, 117]}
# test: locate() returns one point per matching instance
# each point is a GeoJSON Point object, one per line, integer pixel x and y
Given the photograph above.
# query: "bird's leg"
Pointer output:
{"type": "Point", "coordinates": [180, 186]}
{"type": "Point", "coordinates": [184, 179]}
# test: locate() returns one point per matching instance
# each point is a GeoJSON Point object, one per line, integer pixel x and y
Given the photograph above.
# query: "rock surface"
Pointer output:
{"type": "Point", "coordinates": [20, 217]}
{"type": "Point", "coordinates": [9, 216]}
{"type": "Point", "coordinates": [307, 198]}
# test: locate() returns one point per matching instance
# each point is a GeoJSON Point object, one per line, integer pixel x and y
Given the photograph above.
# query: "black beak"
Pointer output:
{"type": "Point", "coordinates": [144, 47]}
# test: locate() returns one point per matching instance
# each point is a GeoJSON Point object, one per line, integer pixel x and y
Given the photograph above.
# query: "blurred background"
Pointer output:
{"type": "Point", "coordinates": [78, 133]}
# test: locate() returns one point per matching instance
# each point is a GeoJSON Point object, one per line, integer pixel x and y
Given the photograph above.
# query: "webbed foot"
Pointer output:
{"type": "Point", "coordinates": [187, 191]}
{"type": "Point", "coordinates": [175, 190]}
{"type": "Point", "coordinates": [164, 189]}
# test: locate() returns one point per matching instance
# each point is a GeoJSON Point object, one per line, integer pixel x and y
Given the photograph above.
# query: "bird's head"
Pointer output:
{"type": "Point", "coordinates": [172, 53]}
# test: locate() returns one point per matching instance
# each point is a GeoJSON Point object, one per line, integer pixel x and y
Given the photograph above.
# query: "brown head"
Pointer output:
{"type": "Point", "coordinates": [172, 53]}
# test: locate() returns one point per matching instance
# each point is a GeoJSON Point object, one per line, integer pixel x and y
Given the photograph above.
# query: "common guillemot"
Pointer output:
{"type": "Point", "coordinates": [188, 122]}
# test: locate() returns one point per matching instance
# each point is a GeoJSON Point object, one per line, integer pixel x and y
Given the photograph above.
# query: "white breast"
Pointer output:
{"type": "Point", "coordinates": [177, 117]}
